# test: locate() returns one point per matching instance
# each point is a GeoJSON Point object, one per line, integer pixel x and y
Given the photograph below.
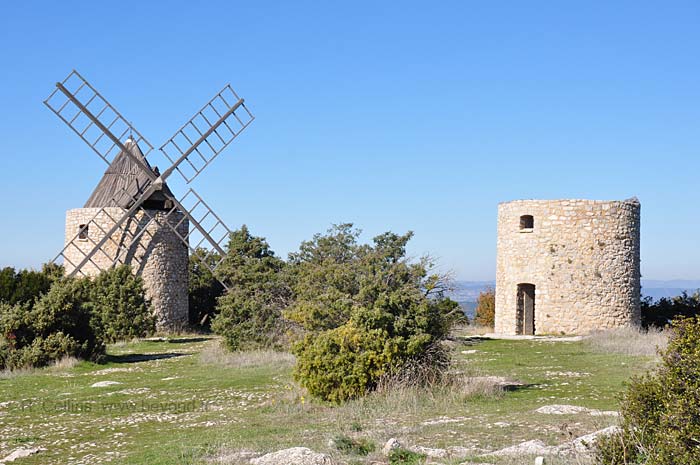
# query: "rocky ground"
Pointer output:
{"type": "Point", "coordinates": [183, 400]}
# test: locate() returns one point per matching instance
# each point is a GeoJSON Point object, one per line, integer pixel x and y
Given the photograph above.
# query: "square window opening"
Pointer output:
{"type": "Point", "coordinates": [527, 223]}
{"type": "Point", "coordinates": [83, 232]}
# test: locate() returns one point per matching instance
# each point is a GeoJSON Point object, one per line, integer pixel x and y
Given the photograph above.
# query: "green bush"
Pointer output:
{"type": "Point", "coordinates": [402, 456]}
{"type": "Point", "coordinates": [661, 410]}
{"type": "Point", "coordinates": [41, 351]}
{"type": "Point", "coordinates": [353, 446]}
{"type": "Point", "coordinates": [119, 306]}
{"type": "Point", "coordinates": [486, 308]}
{"type": "Point", "coordinates": [366, 309]}
{"type": "Point", "coordinates": [249, 314]}
{"type": "Point", "coordinates": [60, 323]}
{"type": "Point", "coordinates": [344, 362]}
{"type": "Point", "coordinates": [74, 318]}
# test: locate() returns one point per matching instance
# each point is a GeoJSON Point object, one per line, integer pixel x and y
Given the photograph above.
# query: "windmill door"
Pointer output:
{"type": "Point", "coordinates": [526, 309]}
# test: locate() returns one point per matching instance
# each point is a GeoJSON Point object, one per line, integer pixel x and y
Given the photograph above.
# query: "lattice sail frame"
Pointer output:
{"type": "Point", "coordinates": [216, 229]}
{"type": "Point", "coordinates": [76, 118]}
{"type": "Point", "coordinates": [81, 106]}
{"type": "Point", "coordinates": [207, 133]}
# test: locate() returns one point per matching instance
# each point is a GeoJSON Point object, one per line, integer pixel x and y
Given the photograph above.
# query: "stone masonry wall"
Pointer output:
{"type": "Point", "coordinates": [158, 255]}
{"type": "Point", "coordinates": [581, 255]}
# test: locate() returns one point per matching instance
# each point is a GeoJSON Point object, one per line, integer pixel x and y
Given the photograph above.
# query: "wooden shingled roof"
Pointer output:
{"type": "Point", "coordinates": [124, 181]}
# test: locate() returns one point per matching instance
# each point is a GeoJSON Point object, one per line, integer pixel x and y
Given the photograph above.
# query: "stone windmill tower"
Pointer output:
{"type": "Point", "coordinates": [132, 216]}
{"type": "Point", "coordinates": [567, 266]}
{"type": "Point", "coordinates": [157, 254]}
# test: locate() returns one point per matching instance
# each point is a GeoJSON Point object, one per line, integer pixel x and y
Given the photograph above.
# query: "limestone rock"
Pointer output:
{"type": "Point", "coordinates": [559, 409]}
{"type": "Point", "coordinates": [390, 445]}
{"type": "Point", "coordinates": [21, 453]}
{"type": "Point", "coordinates": [430, 452]}
{"type": "Point", "coordinates": [584, 444]}
{"type": "Point", "coordinates": [293, 456]}
{"type": "Point", "coordinates": [105, 383]}
{"type": "Point", "coordinates": [534, 447]}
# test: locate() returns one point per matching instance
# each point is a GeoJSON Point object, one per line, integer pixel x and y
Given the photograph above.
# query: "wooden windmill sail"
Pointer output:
{"type": "Point", "coordinates": [131, 184]}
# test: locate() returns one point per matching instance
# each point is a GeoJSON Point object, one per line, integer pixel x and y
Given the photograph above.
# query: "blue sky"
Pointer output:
{"type": "Point", "coordinates": [393, 115]}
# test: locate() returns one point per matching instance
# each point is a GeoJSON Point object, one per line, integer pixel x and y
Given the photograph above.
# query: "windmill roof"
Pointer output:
{"type": "Point", "coordinates": [124, 181]}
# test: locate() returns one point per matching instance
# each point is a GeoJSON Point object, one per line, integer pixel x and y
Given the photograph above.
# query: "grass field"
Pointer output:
{"type": "Point", "coordinates": [184, 400]}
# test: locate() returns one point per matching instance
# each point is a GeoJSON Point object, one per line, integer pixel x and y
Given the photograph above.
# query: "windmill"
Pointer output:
{"type": "Point", "coordinates": [132, 216]}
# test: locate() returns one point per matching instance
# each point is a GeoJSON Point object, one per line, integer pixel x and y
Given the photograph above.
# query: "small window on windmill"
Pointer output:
{"type": "Point", "coordinates": [83, 232]}
{"type": "Point", "coordinates": [527, 223]}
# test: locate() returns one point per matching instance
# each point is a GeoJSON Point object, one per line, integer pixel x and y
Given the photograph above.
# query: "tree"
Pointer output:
{"type": "Point", "coordinates": [325, 276]}
{"type": "Point", "coordinates": [250, 312]}
{"type": "Point", "coordinates": [366, 310]}
{"type": "Point", "coordinates": [664, 310]}
{"type": "Point", "coordinates": [27, 285]}
{"type": "Point", "coordinates": [8, 283]}
{"type": "Point", "coordinates": [204, 288]}
{"type": "Point", "coordinates": [486, 308]}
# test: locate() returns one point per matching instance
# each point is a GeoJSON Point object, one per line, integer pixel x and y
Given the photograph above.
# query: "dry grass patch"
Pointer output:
{"type": "Point", "coordinates": [631, 340]}
{"type": "Point", "coordinates": [10, 374]}
{"type": "Point", "coordinates": [216, 354]}
{"type": "Point", "coordinates": [227, 456]}
{"type": "Point", "coordinates": [127, 342]}
{"type": "Point", "coordinates": [64, 363]}
{"type": "Point", "coordinates": [472, 329]}
{"type": "Point", "coordinates": [406, 401]}
{"type": "Point", "coordinates": [480, 386]}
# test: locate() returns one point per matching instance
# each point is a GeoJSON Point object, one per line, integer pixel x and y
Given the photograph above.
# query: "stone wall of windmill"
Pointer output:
{"type": "Point", "coordinates": [577, 260]}
{"type": "Point", "coordinates": [158, 255]}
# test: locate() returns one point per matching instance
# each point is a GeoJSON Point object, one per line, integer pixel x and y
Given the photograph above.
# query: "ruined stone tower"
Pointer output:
{"type": "Point", "coordinates": [567, 266]}
{"type": "Point", "coordinates": [156, 253]}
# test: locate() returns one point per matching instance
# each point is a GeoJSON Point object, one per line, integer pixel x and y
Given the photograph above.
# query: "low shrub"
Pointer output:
{"type": "Point", "coordinates": [353, 446]}
{"type": "Point", "coordinates": [59, 324]}
{"type": "Point", "coordinates": [660, 420]}
{"type": "Point", "coordinates": [119, 306]}
{"type": "Point", "coordinates": [345, 362]}
{"type": "Point", "coordinates": [74, 319]}
{"type": "Point", "coordinates": [42, 351]}
{"type": "Point", "coordinates": [348, 361]}
{"type": "Point", "coordinates": [401, 456]}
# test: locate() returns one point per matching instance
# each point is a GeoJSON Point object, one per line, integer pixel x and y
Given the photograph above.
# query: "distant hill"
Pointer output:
{"type": "Point", "coordinates": [671, 288]}
{"type": "Point", "coordinates": [466, 292]}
